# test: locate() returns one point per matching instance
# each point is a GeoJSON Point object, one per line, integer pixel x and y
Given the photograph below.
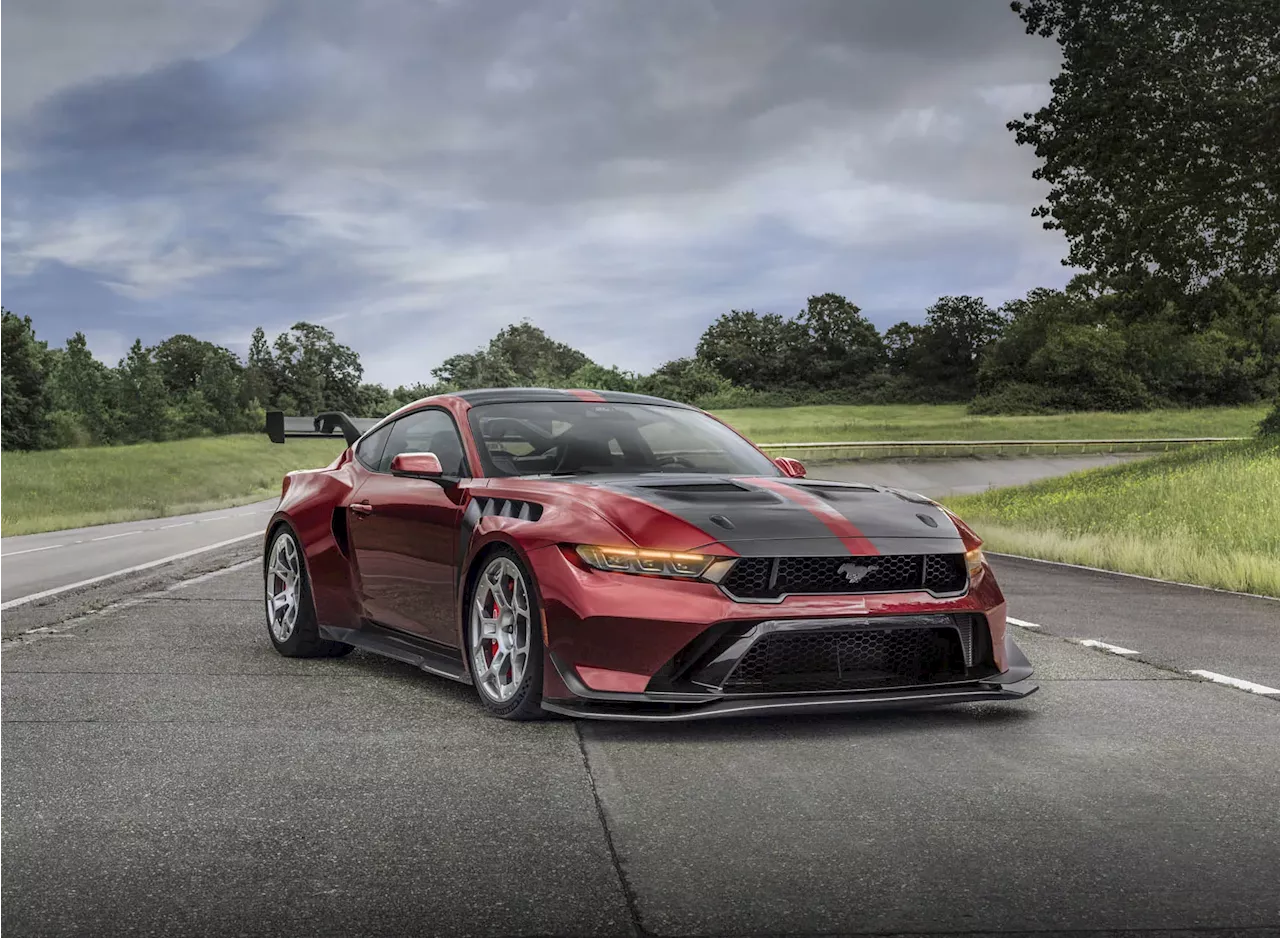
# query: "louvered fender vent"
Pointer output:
{"type": "Point", "coordinates": [508, 508]}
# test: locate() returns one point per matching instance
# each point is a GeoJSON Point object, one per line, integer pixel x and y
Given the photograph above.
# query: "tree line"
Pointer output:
{"type": "Point", "coordinates": [1081, 348]}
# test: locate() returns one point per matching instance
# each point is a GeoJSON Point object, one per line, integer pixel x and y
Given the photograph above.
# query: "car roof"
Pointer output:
{"type": "Point", "coordinates": [523, 395]}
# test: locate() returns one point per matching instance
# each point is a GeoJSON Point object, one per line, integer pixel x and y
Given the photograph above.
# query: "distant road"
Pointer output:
{"type": "Point", "coordinates": [34, 563]}
{"type": "Point", "coordinates": [965, 476]}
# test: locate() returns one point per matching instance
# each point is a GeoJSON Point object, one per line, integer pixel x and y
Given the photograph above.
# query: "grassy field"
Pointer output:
{"type": "Point", "coordinates": [1208, 515]}
{"type": "Point", "coordinates": [71, 488]}
{"type": "Point", "coordinates": [950, 422]}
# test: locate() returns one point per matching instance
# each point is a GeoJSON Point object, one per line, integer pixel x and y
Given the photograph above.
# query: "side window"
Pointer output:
{"type": "Point", "coordinates": [369, 449]}
{"type": "Point", "coordinates": [426, 431]}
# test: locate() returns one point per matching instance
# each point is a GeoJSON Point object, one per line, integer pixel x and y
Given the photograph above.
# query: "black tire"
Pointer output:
{"type": "Point", "coordinates": [303, 639]}
{"type": "Point", "coordinates": [525, 700]}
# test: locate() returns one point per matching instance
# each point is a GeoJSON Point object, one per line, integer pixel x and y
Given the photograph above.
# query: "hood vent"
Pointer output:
{"type": "Point", "coordinates": [709, 492]}
{"type": "Point", "coordinates": [696, 487]}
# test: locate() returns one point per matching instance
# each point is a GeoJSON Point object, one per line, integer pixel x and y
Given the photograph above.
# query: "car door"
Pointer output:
{"type": "Point", "coordinates": [404, 532]}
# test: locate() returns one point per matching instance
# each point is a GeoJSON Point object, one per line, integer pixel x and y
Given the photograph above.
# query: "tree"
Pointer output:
{"type": "Point", "coordinates": [519, 355]}
{"type": "Point", "coordinates": [833, 345]}
{"type": "Point", "coordinates": [533, 357]}
{"type": "Point", "coordinates": [600, 378]}
{"type": "Point", "coordinates": [684, 379]}
{"type": "Point", "coordinates": [261, 380]}
{"type": "Point", "coordinates": [900, 347]}
{"type": "Point", "coordinates": [957, 331]}
{"type": "Point", "coordinates": [218, 385]}
{"type": "Point", "coordinates": [479, 369]}
{"type": "Point", "coordinates": [143, 401]}
{"type": "Point", "coordinates": [83, 387]}
{"type": "Point", "coordinates": [1159, 142]}
{"type": "Point", "coordinates": [750, 350]}
{"type": "Point", "coordinates": [315, 371]}
{"type": "Point", "coordinates": [24, 396]}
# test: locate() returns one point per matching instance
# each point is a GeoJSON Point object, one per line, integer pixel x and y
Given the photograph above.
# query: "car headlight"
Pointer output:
{"type": "Point", "coordinates": [973, 560]}
{"type": "Point", "coordinates": [655, 562]}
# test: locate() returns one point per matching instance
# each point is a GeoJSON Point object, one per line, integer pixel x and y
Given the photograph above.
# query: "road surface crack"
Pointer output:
{"type": "Point", "coordinates": [628, 893]}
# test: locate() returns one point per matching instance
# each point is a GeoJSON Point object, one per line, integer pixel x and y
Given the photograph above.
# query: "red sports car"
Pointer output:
{"type": "Point", "coordinates": [613, 555]}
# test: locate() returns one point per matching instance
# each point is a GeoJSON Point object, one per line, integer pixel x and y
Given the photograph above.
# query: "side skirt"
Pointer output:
{"type": "Point", "coordinates": [420, 652]}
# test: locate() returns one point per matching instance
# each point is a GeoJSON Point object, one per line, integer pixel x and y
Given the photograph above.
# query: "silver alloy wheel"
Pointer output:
{"type": "Point", "coordinates": [500, 629]}
{"type": "Point", "coordinates": [284, 586]}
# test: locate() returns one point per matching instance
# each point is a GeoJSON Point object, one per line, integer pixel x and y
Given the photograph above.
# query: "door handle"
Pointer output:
{"type": "Point", "coordinates": [362, 508]}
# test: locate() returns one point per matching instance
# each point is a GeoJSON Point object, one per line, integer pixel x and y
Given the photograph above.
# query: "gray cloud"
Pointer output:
{"type": "Point", "coordinates": [418, 174]}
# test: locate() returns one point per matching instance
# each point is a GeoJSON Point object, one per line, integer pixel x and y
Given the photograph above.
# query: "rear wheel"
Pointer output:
{"type": "Point", "coordinates": [504, 638]}
{"type": "Point", "coordinates": [291, 615]}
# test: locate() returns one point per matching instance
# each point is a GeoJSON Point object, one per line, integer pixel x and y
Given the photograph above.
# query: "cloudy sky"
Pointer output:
{"type": "Point", "coordinates": [415, 174]}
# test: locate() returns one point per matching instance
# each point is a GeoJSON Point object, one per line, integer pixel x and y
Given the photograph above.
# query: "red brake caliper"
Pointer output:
{"type": "Point", "coordinates": [491, 644]}
{"type": "Point", "coordinates": [513, 600]}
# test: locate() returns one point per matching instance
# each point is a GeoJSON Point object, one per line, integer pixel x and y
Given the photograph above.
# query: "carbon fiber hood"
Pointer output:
{"type": "Point", "coordinates": [775, 516]}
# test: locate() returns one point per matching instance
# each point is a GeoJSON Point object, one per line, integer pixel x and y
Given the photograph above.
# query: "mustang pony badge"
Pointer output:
{"type": "Point", "coordinates": [855, 573]}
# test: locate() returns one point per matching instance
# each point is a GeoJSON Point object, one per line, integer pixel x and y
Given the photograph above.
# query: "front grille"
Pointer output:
{"type": "Point", "coordinates": [848, 659]}
{"type": "Point", "coordinates": [772, 577]}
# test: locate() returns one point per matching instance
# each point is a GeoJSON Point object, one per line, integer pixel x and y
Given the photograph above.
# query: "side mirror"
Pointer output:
{"type": "Point", "coordinates": [416, 465]}
{"type": "Point", "coordinates": [790, 467]}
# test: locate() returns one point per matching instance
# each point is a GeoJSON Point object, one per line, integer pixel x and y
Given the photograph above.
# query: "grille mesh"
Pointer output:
{"type": "Point", "coordinates": [836, 660]}
{"type": "Point", "coordinates": [771, 577]}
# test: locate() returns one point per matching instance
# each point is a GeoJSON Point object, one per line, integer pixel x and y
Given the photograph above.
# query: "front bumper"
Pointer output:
{"type": "Point", "coordinates": [633, 648]}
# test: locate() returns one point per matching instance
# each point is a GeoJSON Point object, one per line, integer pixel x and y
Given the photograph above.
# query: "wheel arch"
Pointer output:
{"type": "Point", "coordinates": [476, 559]}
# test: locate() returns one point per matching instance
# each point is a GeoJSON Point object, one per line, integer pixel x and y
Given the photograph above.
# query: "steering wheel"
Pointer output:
{"type": "Point", "coordinates": [671, 459]}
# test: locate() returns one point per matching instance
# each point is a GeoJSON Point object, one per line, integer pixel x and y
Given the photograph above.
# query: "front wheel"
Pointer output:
{"type": "Point", "coordinates": [504, 639]}
{"type": "Point", "coordinates": [291, 614]}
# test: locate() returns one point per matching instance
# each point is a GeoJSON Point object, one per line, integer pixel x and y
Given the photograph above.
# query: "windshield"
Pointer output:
{"type": "Point", "coordinates": [580, 437]}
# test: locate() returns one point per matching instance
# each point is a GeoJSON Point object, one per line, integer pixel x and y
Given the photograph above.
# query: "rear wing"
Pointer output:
{"type": "Point", "coordinates": [279, 427]}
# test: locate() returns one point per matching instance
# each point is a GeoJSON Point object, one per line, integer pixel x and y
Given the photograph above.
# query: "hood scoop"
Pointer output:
{"type": "Point", "coordinates": [719, 493]}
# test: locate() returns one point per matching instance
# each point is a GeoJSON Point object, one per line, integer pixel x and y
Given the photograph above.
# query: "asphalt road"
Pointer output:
{"type": "Point", "coordinates": [35, 563]}
{"type": "Point", "coordinates": [166, 773]}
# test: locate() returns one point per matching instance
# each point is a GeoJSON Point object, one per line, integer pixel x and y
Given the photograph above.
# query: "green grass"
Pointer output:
{"type": "Point", "coordinates": [951, 422]}
{"type": "Point", "coordinates": [1208, 515]}
{"type": "Point", "coordinates": [71, 488]}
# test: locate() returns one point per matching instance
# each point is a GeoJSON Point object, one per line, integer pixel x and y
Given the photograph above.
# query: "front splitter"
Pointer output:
{"type": "Point", "coordinates": [662, 711]}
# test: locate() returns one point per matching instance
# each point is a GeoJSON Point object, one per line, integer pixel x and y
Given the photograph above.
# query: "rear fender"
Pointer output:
{"type": "Point", "coordinates": [308, 508]}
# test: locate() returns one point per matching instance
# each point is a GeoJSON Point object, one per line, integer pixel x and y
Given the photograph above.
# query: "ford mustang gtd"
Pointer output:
{"type": "Point", "coordinates": [612, 555]}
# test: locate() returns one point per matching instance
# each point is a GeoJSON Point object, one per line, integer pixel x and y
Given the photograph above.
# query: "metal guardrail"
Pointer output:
{"type": "Point", "coordinates": [859, 444]}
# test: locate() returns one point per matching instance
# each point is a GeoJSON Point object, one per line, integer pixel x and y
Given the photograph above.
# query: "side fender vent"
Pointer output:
{"type": "Point", "coordinates": [339, 527]}
{"type": "Point", "coordinates": [508, 508]}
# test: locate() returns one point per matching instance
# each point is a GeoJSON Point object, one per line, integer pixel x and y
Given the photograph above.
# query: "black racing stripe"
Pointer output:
{"type": "Point", "coordinates": [879, 512]}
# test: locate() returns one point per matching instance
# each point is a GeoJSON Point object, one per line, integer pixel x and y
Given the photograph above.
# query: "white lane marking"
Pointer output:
{"type": "Point", "coordinates": [1103, 646]}
{"type": "Point", "coordinates": [107, 537]}
{"type": "Point", "coordinates": [180, 524]}
{"type": "Point", "coordinates": [1132, 576]}
{"type": "Point", "coordinates": [1021, 623]}
{"type": "Point", "coordinates": [1236, 682]}
{"type": "Point", "coordinates": [31, 550]}
{"type": "Point", "coordinates": [23, 600]}
{"type": "Point", "coordinates": [209, 576]}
